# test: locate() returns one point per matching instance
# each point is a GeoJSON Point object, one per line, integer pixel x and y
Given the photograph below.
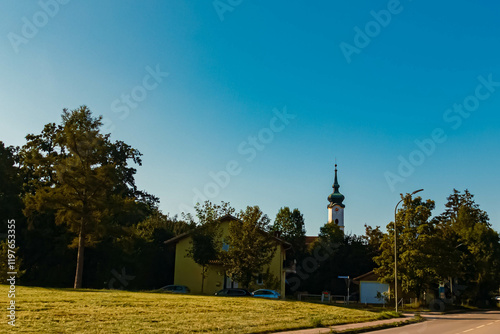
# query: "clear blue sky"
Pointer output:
{"type": "Point", "coordinates": [361, 82]}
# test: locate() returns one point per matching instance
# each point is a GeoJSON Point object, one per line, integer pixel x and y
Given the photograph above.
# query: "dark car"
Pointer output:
{"type": "Point", "coordinates": [233, 292]}
{"type": "Point", "coordinates": [266, 293]}
{"type": "Point", "coordinates": [175, 289]}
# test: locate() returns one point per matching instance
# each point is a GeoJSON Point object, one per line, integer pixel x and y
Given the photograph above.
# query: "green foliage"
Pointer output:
{"type": "Point", "coordinates": [4, 255]}
{"type": "Point", "coordinates": [373, 238]}
{"type": "Point", "coordinates": [11, 184]}
{"type": "Point", "coordinates": [289, 226]}
{"type": "Point", "coordinates": [383, 297]}
{"type": "Point", "coordinates": [208, 213]}
{"type": "Point", "coordinates": [79, 175]}
{"type": "Point", "coordinates": [204, 249]}
{"type": "Point", "coordinates": [416, 237]}
{"type": "Point", "coordinates": [44, 249]}
{"type": "Point", "coordinates": [473, 246]}
{"type": "Point", "coordinates": [250, 247]}
{"type": "Point", "coordinates": [316, 322]}
{"type": "Point", "coordinates": [206, 238]}
{"type": "Point", "coordinates": [459, 244]}
{"type": "Point", "coordinates": [159, 227]}
{"type": "Point", "coordinates": [142, 252]}
{"type": "Point", "coordinates": [331, 234]}
{"type": "Point", "coordinates": [340, 254]}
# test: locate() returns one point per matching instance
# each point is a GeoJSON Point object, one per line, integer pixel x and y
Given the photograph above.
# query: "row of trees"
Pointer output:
{"type": "Point", "coordinates": [458, 246]}
{"type": "Point", "coordinates": [243, 253]}
{"type": "Point", "coordinates": [73, 195]}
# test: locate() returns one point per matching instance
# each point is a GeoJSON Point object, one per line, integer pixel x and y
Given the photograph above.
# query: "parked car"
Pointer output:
{"type": "Point", "coordinates": [233, 292]}
{"type": "Point", "coordinates": [265, 293]}
{"type": "Point", "coordinates": [175, 289]}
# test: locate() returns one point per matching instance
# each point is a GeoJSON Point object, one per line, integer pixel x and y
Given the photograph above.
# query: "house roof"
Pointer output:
{"type": "Point", "coordinates": [227, 217]}
{"type": "Point", "coordinates": [369, 276]}
{"type": "Point", "coordinates": [310, 240]}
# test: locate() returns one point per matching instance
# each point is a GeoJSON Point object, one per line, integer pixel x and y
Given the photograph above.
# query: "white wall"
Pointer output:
{"type": "Point", "coordinates": [332, 215]}
{"type": "Point", "coordinates": [368, 292]}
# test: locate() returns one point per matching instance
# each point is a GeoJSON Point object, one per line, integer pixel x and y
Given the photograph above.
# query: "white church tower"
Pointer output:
{"type": "Point", "coordinates": [336, 208]}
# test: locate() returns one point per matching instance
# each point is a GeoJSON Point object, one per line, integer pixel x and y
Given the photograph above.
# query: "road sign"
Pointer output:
{"type": "Point", "coordinates": [348, 282]}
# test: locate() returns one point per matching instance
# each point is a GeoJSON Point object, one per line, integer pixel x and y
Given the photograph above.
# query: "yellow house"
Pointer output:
{"type": "Point", "coordinates": [188, 273]}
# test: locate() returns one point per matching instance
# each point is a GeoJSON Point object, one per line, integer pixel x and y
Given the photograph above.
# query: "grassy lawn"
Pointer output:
{"type": "Point", "coordinates": [45, 310]}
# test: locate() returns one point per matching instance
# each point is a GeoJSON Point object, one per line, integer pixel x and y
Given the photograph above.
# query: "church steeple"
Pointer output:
{"type": "Point", "coordinates": [336, 207]}
{"type": "Point", "coordinates": [336, 197]}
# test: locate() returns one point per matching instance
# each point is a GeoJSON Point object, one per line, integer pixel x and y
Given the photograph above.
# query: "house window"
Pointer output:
{"type": "Point", "coordinates": [260, 279]}
{"type": "Point", "coordinates": [336, 221]}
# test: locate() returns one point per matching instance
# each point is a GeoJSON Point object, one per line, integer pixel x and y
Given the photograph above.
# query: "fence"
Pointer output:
{"type": "Point", "coordinates": [317, 298]}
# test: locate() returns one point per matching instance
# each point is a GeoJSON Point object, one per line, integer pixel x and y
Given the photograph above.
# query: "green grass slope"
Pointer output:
{"type": "Point", "coordinates": [45, 310]}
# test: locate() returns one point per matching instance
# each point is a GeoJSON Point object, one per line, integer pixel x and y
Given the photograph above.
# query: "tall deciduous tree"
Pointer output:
{"type": "Point", "coordinates": [373, 238]}
{"type": "Point", "coordinates": [415, 233]}
{"type": "Point", "coordinates": [334, 254]}
{"type": "Point", "coordinates": [206, 238]}
{"type": "Point", "coordinates": [11, 184]}
{"type": "Point", "coordinates": [77, 172]}
{"type": "Point", "coordinates": [250, 246]}
{"type": "Point", "coordinates": [289, 226]}
{"type": "Point", "coordinates": [473, 246]}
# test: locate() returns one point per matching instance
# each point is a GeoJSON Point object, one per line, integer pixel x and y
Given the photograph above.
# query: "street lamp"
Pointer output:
{"type": "Point", "coordinates": [396, 250]}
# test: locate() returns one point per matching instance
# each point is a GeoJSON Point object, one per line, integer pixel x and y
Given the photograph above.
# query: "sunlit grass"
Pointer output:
{"type": "Point", "coordinates": [45, 310]}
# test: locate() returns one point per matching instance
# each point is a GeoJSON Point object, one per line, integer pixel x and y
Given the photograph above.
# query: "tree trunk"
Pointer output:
{"type": "Point", "coordinates": [202, 277]}
{"type": "Point", "coordinates": [79, 260]}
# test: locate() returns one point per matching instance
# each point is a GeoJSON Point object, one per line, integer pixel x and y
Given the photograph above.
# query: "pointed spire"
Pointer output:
{"type": "Point", "coordinates": [336, 197]}
{"type": "Point", "coordinates": [336, 184]}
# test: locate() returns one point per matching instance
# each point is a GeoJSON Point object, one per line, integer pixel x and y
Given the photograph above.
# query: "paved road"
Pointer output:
{"type": "Point", "coordinates": [460, 323]}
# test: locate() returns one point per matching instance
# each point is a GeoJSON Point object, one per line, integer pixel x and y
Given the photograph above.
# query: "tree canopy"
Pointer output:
{"type": "Point", "coordinates": [206, 237]}
{"type": "Point", "coordinates": [250, 246]}
{"type": "Point", "coordinates": [457, 245]}
{"type": "Point", "coordinates": [289, 226]}
{"type": "Point", "coordinates": [77, 173]}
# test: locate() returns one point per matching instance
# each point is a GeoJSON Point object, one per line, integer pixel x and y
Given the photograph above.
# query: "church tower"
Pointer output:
{"type": "Point", "coordinates": [336, 208]}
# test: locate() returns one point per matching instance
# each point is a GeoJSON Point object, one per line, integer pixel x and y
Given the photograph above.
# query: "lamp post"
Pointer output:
{"type": "Point", "coordinates": [396, 250]}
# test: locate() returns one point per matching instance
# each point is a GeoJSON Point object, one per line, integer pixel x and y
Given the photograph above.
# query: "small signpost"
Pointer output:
{"type": "Point", "coordinates": [325, 296]}
{"type": "Point", "coordinates": [348, 282]}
